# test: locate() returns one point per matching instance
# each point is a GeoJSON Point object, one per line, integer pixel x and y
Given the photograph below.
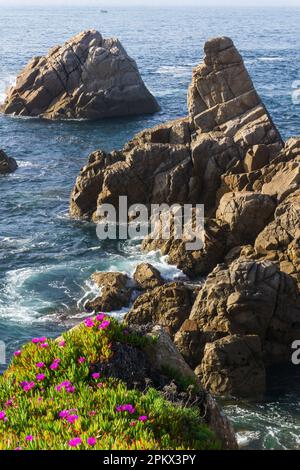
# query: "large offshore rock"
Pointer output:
{"type": "Point", "coordinates": [7, 164]}
{"type": "Point", "coordinates": [89, 77]}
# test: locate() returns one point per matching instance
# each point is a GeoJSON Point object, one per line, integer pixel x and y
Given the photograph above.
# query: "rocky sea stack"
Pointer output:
{"type": "Point", "coordinates": [89, 77]}
{"type": "Point", "coordinates": [228, 155]}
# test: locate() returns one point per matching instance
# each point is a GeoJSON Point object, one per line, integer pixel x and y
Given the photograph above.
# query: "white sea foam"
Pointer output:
{"type": "Point", "coordinates": [178, 70]}
{"type": "Point", "coordinates": [6, 83]}
{"type": "Point", "coordinates": [271, 59]}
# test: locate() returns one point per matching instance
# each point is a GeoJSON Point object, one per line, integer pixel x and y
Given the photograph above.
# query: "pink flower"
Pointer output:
{"type": "Point", "coordinates": [76, 441]}
{"type": "Point", "coordinates": [40, 398]}
{"type": "Point", "coordinates": [44, 345]}
{"type": "Point", "coordinates": [8, 403]}
{"type": "Point", "coordinates": [27, 386]}
{"type": "Point", "coordinates": [143, 418]}
{"type": "Point", "coordinates": [3, 416]}
{"type": "Point", "coordinates": [40, 365]}
{"type": "Point", "coordinates": [64, 414]}
{"type": "Point", "coordinates": [70, 389]}
{"type": "Point", "coordinates": [91, 441]}
{"type": "Point", "coordinates": [61, 344]}
{"type": "Point", "coordinates": [81, 360]}
{"type": "Point", "coordinates": [40, 377]}
{"type": "Point", "coordinates": [100, 317]}
{"type": "Point", "coordinates": [39, 340]}
{"type": "Point", "coordinates": [104, 324]}
{"type": "Point", "coordinates": [96, 375]}
{"type": "Point", "coordinates": [89, 323]}
{"type": "Point", "coordinates": [126, 407]}
{"type": "Point", "coordinates": [18, 448]}
{"type": "Point", "coordinates": [71, 418]}
{"type": "Point", "coordinates": [29, 438]}
{"type": "Point", "coordinates": [100, 384]}
{"type": "Point", "coordinates": [17, 353]}
{"type": "Point", "coordinates": [55, 364]}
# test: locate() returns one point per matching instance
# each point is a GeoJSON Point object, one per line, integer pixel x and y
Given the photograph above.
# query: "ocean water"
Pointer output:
{"type": "Point", "coordinates": [46, 259]}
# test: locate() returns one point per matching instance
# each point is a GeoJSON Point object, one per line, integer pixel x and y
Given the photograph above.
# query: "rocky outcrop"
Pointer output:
{"type": "Point", "coordinates": [89, 77]}
{"type": "Point", "coordinates": [183, 161]}
{"type": "Point", "coordinates": [215, 240]}
{"type": "Point", "coordinates": [147, 277]}
{"type": "Point", "coordinates": [7, 164]}
{"type": "Point", "coordinates": [280, 240]}
{"type": "Point", "coordinates": [247, 298]}
{"type": "Point", "coordinates": [168, 305]}
{"type": "Point", "coordinates": [115, 292]}
{"type": "Point", "coordinates": [246, 214]}
{"type": "Point", "coordinates": [234, 366]}
{"type": "Point", "coordinates": [222, 98]}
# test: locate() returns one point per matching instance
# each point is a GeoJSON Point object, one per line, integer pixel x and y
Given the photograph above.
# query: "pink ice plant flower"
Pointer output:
{"type": "Point", "coordinates": [100, 317]}
{"type": "Point", "coordinates": [29, 438]}
{"type": "Point", "coordinates": [67, 386]}
{"type": "Point", "coordinates": [89, 323]}
{"type": "Point", "coordinates": [44, 345]}
{"type": "Point", "coordinates": [39, 340]}
{"type": "Point", "coordinates": [128, 407]}
{"type": "Point", "coordinates": [40, 377]}
{"type": "Point", "coordinates": [27, 386]}
{"type": "Point", "coordinates": [8, 403]}
{"type": "Point", "coordinates": [81, 360]}
{"type": "Point", "coordinates": [143, 418]}
{"type": "Point", "coordinates": [17, 353]}
{"type": "Point", "coordinates": [40, 365]}
{"type": "Point", "coordinates": [55, 364]}
{"type": "Point", "coordinates": [3, 416]}
{"type": "Point", "coordinates": [104, 324]}
{"type": "Point", "coordinates": [91, 441]}
{"type": "Point", "coordinates": [72, 418]}
{"type": "Point", "coordinates": [96, 375]}
{"type": "Point", "coordinates": [76, 441]}
{"type": "Point", "coordinates": [61, 344]}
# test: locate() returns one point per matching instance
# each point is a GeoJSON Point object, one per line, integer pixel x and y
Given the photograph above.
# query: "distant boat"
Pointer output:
{"type": "Point", "coordinates": [104, 11]}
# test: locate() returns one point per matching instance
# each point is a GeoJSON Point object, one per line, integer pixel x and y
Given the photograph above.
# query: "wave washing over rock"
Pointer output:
{"type": "Point", "coordinates": [228, 155]}
{"type": "Point", "coordinates": [89, 77]}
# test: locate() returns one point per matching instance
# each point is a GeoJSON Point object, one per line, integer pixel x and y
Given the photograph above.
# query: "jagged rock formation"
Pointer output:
{"type": "Point", "coordinates": [168, 305]}
{"type": "Point", "coordinates": [7, 164]}
{"type": "Point", "coordinates": [115, 291]}
{"type": "Point", "coordinates": [227, 155]}
{"type": "Point", "coordinates": [183, 161]}
{"type": "Point", "coordinates": [89, 77]}
{"type": "Point", "coordinates": [147, 276]}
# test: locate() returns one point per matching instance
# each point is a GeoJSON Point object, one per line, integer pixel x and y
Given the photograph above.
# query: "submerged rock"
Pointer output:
{"type": "Point", "coordinates": [89, 77]}
{"type": "Point", "coordinates": [7, 164]}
